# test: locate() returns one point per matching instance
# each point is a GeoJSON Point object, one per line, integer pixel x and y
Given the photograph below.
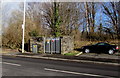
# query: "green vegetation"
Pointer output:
{"type": "Point", "coordinates": [70, 54]}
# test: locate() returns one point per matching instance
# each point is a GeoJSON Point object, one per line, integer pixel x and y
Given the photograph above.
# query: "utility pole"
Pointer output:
{"type": "Point", "coordinates": [23, 27]}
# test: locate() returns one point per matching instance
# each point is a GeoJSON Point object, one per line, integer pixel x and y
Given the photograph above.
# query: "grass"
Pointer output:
{"type": "Point", "coordinates": [73, 53]}
{"type": "Point", "coordinates": [70, 54]}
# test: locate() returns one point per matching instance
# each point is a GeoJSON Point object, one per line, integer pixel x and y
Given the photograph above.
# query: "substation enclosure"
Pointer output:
{"type": "Point", "coordinates": [52, 45]}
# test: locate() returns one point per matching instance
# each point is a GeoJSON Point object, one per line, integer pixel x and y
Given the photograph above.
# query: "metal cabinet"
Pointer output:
{"type": "Point", "coordinates": [47, 45]}
{"type": "Point", "coordinates": [52, 45]}
{"type": "Point", "coordinates": [34, 48]}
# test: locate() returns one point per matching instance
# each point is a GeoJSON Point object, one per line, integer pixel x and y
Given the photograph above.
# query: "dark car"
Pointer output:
{"type": "Point", "coordinates": [100, 48]}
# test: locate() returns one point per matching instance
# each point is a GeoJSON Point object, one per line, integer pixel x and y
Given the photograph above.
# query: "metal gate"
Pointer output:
{"type": "Point", "coordinates": [52, 45]}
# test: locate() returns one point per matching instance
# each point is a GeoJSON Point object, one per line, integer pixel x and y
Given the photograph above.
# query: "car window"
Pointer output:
{"type": "Point", "coordinates": [102, 44]}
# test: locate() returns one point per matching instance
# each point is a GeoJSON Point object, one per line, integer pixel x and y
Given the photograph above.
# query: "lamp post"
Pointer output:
{"type": "Point", "coordinates": [23, 27]}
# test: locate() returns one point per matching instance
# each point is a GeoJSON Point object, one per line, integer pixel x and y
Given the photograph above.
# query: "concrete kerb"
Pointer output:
{"type": "Point", "coordinates": [61, 59]}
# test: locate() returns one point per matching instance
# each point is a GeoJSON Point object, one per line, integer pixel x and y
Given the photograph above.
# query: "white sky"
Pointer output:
{"type": "Point", "coordinates": [60, 0]}
{"type": "Point", "coordinates": [26, 0]}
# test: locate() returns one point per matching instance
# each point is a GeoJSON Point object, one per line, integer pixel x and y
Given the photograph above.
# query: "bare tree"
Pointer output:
{"type": "Point", "coordinates": [90, 15]}
{"type": "Point", "coordinates": [64, 16]}
{"type": "Point", "coordinates": [12, 36]}
{"type": "Point", "coordinates": [118, 9]}
{"type": "Point", "coordinates": [110, 10]}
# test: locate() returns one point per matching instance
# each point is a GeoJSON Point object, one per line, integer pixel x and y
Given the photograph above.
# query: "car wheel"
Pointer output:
{"type": "Point", "coordinates": [110, 51]}
{"type": "Point", "coordinates": [87, 50]}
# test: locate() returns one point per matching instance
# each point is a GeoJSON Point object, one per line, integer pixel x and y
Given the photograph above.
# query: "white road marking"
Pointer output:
{"type": "Point", "coordinates": [77, 73]}
{"type": "Point", "coordinates": [11, 63]}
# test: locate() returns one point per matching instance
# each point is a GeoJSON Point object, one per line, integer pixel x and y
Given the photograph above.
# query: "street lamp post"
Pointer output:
{"type": "Point", "coordinates": [23, 27]}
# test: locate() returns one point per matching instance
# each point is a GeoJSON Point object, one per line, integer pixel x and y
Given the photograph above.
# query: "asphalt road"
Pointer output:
{"type": "Point", "coordinates": [17, 66]}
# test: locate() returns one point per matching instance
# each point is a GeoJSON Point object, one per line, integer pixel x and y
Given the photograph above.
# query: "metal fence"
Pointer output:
{"type": "Point", "coordinates": [52, 45]}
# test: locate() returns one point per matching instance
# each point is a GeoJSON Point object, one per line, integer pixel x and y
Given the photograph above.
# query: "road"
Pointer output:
{"type": "Point", "coordinates": [17, 66]}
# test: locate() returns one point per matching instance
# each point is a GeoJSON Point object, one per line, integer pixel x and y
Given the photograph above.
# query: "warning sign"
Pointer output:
{"type": "Point", "coordinates": [53, 40]}
{"type": "Point", "coordinates": [48, 41]}
{"type": "Point", "coordinates": [35, 46]}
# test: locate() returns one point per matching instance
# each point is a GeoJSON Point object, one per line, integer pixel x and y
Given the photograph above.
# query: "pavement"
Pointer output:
{"type": "Point", "coordinates": [91, 57]}
{"type": "Point", "coordinates": [26, 67]}
{"type": "Point", "coordinates": [89, 65]}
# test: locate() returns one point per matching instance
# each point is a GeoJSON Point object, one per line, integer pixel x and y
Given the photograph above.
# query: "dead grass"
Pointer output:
{"type": "Point", "coordinates": [6, 50]}
{"type": "Point", "coordinates": [79, 44]}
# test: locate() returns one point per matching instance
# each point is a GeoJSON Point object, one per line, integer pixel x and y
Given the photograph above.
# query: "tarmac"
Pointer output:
{"type": "Point", "coordinates": [82, 58]}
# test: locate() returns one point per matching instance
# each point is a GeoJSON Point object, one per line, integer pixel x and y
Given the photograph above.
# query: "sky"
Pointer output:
{"type": "Point", "coordinates": [25, 0]}
{"type": "Point", "coordinates": [7, 9]}
{"type": "Point", "coordinates": [60, 0]}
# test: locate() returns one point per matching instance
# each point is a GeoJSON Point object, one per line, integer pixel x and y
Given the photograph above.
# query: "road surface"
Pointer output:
{"type": "Point", "coordinates": [17, 66]}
